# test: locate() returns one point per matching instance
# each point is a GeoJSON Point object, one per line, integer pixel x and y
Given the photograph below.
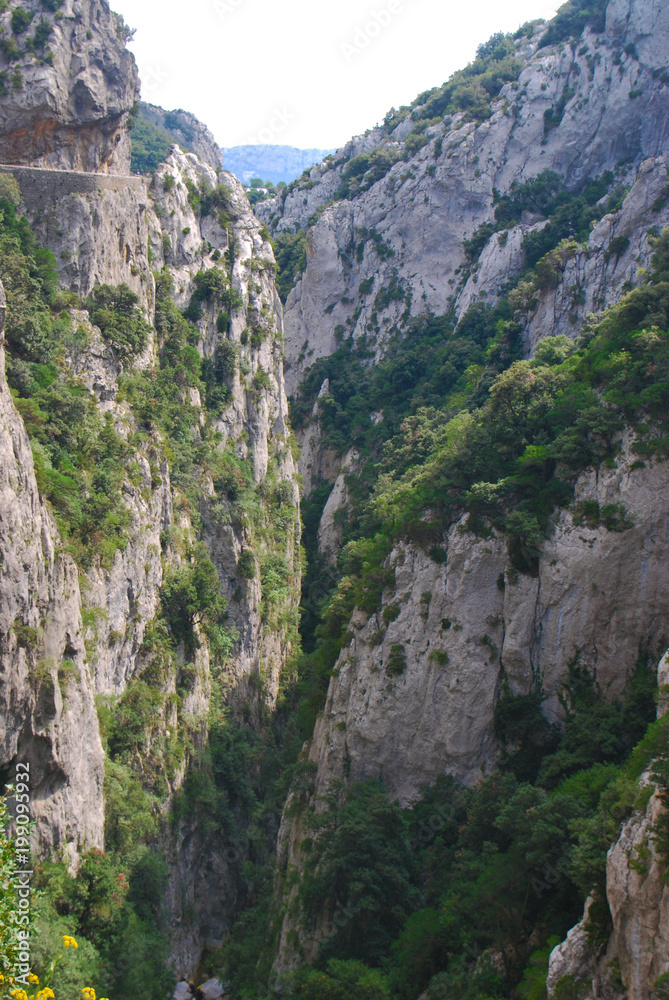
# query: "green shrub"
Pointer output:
{"type": "Point", "coordinates": [21, 20]}
{"type": "Point", "coordinates": [572, 18]}
{"type": "Point", "coordinates": [397, 661]}
{"type": "Point", "coordinates": [191, 597]}
{"type": "Point", "coordinates": [115, 312]}
{"type": "Point", "coordinates": [150, 147]}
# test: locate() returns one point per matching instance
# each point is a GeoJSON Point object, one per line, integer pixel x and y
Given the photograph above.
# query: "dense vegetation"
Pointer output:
{"type": "Point", "coordinates": [85, 469]}
{"type": "Point", "coordinates": [150, 144]}
{"type": "Point", "coordinates": [469, 889]}
{"type": "Point", "coordinates": [573, 17]}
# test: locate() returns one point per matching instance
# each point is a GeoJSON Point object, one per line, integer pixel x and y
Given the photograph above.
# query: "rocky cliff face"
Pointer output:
{"type": "Point", "coordinates": [414, 689]}
{"type": "Point", "coordinates": [46, 683]}
{"type": "Point", "coordinates": [69, 635]}
{"type": "Point", "coordinates": [413, 693]}
{"type": "Point", "coordinates": [187, 130]}
{"type": "Point", "coordinates": [68, 85]}
{"type": "Point", "coordinates": [637, 953]}
{"type": "Point", "coordinates": [409, 226]}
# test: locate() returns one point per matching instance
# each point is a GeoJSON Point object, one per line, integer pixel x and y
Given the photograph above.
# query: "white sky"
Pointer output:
{"type": "Point", "coordinates": [306, 72]}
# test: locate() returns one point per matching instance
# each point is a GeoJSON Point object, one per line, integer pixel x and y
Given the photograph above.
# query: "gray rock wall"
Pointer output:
{"type": "Point", "coordinates": [67, 102]}
{"type": "Point", "coordinates": [430, 202]}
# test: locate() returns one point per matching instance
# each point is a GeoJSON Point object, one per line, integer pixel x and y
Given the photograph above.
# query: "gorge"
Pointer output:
{"type": "Point", "coordinates": [334, 531]}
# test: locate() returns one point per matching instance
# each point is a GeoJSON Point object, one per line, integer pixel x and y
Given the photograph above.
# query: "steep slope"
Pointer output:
{"type": "Point", "coordinates": [152, 568]}
{"type": "Point", "coordinates": [502, 209]}
{"type": "Point", "coordinates": [48, 714]}
{"type": "Point", "coordinates": [68, 84]}
{"type": "Point", "coordinates": [184, 128]}
{"type": "Point", "coordinates": [407, 195]}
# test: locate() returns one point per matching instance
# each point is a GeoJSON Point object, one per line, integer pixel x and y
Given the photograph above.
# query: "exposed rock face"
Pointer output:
{"type": "Point", "coordinates": [102, 230]}
{"type": "Point", "coordinates": [67, 110]}
{"type": "Point", "coordinates": [429, 202]}
{"type": "Point", "coordinates": [256, 421]}
{"type": "Point", "coordinates": [464, 625]}
{"type": "Point", "coordinates": [187, 130]}
{"type": "Point", "coordinates": [46, 688]}
{"type": "Point", "coordinates": [413, 694]}
{"type": "Point", "coordinates": [639, 899]}
{"type": "Point", "coordinates": [96, 226]}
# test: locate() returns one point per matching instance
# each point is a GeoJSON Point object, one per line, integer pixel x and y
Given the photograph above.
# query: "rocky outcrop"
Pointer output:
{"type": "Point", "coordinates": [255, 422]}
{"type": "Point", "coordinates": [409, 226]}
{"type": "Point", "coordinates": [95, 225]}
{"type": "Point", "coordinates": [639, 899]}
{"type": "Point", "coordinates": [67, 636]}
{"type": "Point", "coordinates": [47, 712]}
{"type": "Point", "coordinates": [69, 84]}
{"type": "Point", "coordinates": [637, 954]}
{"type": "Point", "coordinates": [414, 691]}
{"type": "Point", "coordinates": [186, 130]}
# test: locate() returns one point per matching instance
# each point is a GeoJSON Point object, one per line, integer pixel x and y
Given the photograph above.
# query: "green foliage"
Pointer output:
{"type": "Point", "coordinates": [150, 145]}
{"type": "Point", "coordinates": [290, 251]}
{"type": "Point", "coordinates": [21, 20]}
{"type": "Point", "coordinates": [10, 190]}
{"type": "Point", "coordinates": [572, 18]}
{"type": "Point", "coordinates": [121, 323]}
{"type": "Point", "coordinates": [79, 458]}
{"type": "Point", "coordinates": [362, 869]}
{"type": "Point", "coordinates": [9, 943]}
{"type": "Point", "coordinates": [340, 981]}
{"type": "Point", "coordinates": [473, 89]}
{"type": "Point", "coordinates": [533, 986]}
{"type": "Point", "coordinates": [113, 907]}
{"type": "Point", "coordinates": [191, 598]}
{"type": "Point", "coordinates": [212, 286]}
{"type": "Point", "coordinates": [397, 661]}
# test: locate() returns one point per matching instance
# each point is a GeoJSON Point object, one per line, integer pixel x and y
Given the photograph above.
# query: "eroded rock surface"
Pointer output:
{"type": "Point", "coordinates": [409, 227]}
{"type": "Point", "coordinates": [67, 100]}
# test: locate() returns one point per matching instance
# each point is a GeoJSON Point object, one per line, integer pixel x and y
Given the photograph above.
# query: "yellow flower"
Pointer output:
{"type": "Point", "coordinates": [88, 993]}
{"type": "Point", "coordinates": [19, 994]}
{"type": "Point", "coordinates": [46, 994]}
{"type": "Point", "coordinates": [33, 979]}
{"type": "Point", "coordinates": [69, 942]}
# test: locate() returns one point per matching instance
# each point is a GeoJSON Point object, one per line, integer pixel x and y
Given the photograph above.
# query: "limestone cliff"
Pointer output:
{"type": "Point", "coordinates": [187, 130]}
{"type": "Point", "coordinates": [414, 689]}
{"type": "Point", "coordinates": [46, 683]}
{"type": "Point", "coordinates": [408, 227]}
{"type": "Point", "coordinates": [71, 634]}
{"type": "Point", "coordinates": [68, 86]}
{"type": "Point", "coordinates": [637, 953]}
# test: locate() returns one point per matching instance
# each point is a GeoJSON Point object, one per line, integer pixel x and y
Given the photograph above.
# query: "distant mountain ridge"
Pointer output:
{"type": "Point", "coordinates": [272, 163]}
